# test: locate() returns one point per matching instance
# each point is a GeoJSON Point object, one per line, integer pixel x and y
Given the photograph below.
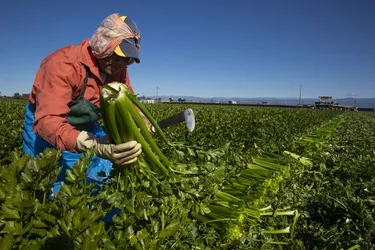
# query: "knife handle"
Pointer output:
{"type": "Point", "coordinates": [173, 120]}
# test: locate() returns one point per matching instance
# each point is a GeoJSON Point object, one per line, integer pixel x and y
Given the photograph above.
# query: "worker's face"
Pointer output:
{"type": "Point", "coordinates": [113, 64]}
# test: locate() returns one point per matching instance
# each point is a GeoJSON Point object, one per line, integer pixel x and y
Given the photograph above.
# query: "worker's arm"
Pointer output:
{"type": "Point", "coordinates": [55, 82]}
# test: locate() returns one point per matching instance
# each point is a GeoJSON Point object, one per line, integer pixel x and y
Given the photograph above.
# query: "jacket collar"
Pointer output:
{"type": "Point", "coordinates": [88, 59]}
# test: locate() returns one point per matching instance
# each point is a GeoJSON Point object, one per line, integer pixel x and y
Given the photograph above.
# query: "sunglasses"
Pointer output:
{"type": "Point", "coordinates": [129, 60]}
{"type": "Point", "coordinates": [126, 60]}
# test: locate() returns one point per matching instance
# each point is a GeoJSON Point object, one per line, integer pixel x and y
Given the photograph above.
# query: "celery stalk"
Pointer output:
{"type": "Point", "coordinates": [144, 131]}
{"type": "Point", "coordinates": [134, 100]}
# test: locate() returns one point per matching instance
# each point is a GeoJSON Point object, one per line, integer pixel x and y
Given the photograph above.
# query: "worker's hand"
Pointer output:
{"type": "Point", "coordinates": [120, 155]}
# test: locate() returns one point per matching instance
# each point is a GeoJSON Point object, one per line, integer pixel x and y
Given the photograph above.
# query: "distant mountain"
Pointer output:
{"type": "Point", "coordinates": [360, 102]}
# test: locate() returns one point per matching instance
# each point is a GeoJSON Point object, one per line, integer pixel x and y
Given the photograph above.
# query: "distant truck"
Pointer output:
{"type": "Point", "coordinates": [232, 102]}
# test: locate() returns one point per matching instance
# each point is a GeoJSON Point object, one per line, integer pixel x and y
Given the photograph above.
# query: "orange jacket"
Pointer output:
{"type": "Point", "coordinates": [58, 82]}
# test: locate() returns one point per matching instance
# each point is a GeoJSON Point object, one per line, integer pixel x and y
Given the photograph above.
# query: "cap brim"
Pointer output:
{"type": "Point", "coordinates": [127, 48]}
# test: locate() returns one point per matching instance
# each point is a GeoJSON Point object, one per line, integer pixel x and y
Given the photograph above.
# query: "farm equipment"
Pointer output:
{"type": "Point", "coordinates": [326, 103]}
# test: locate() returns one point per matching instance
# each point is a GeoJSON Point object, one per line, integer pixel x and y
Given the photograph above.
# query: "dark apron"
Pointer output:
{"type": "Point", "coordinates": [83, 114]}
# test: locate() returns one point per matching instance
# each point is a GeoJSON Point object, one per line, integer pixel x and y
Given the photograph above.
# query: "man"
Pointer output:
{"type": "Point", "coordinates": [64, 104]}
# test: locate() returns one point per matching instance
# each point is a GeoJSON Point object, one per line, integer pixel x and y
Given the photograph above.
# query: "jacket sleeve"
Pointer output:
{"type": "Point", "coordinates": [54, 85]}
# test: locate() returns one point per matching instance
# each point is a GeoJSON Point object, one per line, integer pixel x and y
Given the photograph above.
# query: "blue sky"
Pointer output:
{"type": "Point", "coordinates": [233, 48]}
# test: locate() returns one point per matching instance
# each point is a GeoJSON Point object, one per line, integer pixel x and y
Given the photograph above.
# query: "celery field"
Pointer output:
{"type": "Point", "coordinates": [245, 178]}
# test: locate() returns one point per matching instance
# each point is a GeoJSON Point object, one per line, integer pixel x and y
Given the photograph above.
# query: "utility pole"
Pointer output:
{"type": "Point", "coordinates": [300, 94]}
{"type": "Point", "coordinates": [157, 92]}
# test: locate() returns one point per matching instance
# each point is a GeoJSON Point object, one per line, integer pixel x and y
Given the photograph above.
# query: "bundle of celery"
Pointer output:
{"type": "Point", "coordinates": [122, 121]}
{"type": "Point", "coordinates": [153, 186]}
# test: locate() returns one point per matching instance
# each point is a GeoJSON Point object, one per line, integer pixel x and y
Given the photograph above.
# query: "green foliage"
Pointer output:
{"type": "Point", "coordinates": [11, 124]}
{"type": "Point", "coordinates": [29, 219]}
{"type": "Point", "coordinates": [308, 177]}
{"type": "Point", "coordinates": [335, 195]}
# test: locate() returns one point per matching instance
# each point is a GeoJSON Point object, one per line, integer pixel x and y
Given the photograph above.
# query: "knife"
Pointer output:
{"type": "Point", "coordinates": [186, 116]}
